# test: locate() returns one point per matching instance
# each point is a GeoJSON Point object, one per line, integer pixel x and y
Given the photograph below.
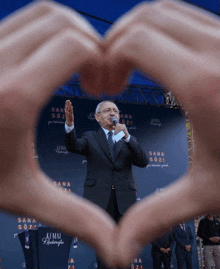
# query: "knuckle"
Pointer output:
{"type": "Point", "coordinates": [144, 9]}
{"type": "Point", "coordinates": [44, 5]}
{"type": "Point", "coordinates": [60, 19]}
{"type": "Point", "coordinates": [167, 4]}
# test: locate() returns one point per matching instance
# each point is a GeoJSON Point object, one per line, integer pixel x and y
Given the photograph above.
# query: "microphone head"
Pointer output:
{"type": "Point", "coordinates": [114, 120]}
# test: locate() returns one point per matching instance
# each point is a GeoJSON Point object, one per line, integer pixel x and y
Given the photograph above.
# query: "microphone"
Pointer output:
{"type": "Point", "coordinates": [119, 135]}
{"type": "Point", "coordinates": [114, 120]}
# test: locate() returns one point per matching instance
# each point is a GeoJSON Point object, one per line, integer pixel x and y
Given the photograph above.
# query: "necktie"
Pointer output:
{"type": "Point", "coordinates": [111, 145]}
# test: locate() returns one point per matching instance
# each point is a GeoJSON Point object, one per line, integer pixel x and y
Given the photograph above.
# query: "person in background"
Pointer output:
{"type": "Point", "coordinates": [183, 237]}
{"type": "Point", "coordinates": [209, 232]}
{"type": "Point", "coordinates": [50, 42]}
{"type": "Point", "coordinates": [161, 251]}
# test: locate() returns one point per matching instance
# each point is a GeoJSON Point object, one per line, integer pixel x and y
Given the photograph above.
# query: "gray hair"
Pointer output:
{"type": "Point", "coordinates": [97, 110]}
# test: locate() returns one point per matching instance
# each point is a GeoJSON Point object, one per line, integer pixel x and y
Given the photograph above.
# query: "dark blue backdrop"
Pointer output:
{"type": "Point", "coordinates": [160, 131]}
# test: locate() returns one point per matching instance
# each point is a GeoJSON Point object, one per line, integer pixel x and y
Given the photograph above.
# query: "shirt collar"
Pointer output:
{"type": "Point", "coordinates": [106, 133]}
{"type": "Point", "coordinates": [105, 130]}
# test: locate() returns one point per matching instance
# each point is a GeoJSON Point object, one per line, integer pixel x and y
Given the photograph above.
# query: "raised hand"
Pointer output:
{"type": "Point", "coordinates": [69, 113]}
{"type": "Point", "coordinates": [179, 46]}
{"type": "Point", "coordinates": [40, 47]}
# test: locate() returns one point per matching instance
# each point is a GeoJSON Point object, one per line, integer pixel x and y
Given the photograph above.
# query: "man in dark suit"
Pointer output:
{"type": "Point", "coordinates": [183, 236]}
{"type": "Point", "coordinates": [161, 251]}
{"type": "Point", "coordinates": [109, 182]}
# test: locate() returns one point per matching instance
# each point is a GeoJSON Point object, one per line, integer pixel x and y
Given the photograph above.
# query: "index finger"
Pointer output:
{"type": "Point", "coordinates": [159, 14]}
{"type": "Point", "coordinates": [37, 10]}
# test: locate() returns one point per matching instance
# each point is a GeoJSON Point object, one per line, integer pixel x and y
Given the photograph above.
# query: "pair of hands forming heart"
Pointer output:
{"type": "Point", "coordinates": [42, 45]}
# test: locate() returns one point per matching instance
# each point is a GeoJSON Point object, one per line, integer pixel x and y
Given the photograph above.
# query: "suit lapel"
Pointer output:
{"type": "Point", "coordinates": [118, 146]}
{"type": "Point", "coordinates": [102, 141]}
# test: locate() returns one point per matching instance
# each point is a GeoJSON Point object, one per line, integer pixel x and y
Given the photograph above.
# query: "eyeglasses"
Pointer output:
{"type": "Point", "coordinates": [108, 110]}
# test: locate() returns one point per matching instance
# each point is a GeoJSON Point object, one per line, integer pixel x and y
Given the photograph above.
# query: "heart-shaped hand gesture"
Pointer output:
{"type": "Point", "coordinates": [42, 45]}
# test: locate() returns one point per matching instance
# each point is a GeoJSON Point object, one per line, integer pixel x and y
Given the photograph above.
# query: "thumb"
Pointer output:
{"type": "Point", "coordinates": [152, 217]}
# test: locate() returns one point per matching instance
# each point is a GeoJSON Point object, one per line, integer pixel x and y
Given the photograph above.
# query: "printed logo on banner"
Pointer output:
{"type": "Point", "coordinates": [137, 264]}
{"type": "Point", "coordinates": [124, 119]}
{"type": "Point", "coordinates": [61, 150]}
{"type": "Point", "coordinates": [75, 242]}
{"type": "Point", "coordinates": [157, 159]}
{"type": "Point", "coordinates": [127, 119]}
{"type": "Point", "coordinates": [26, 223]}
{"type": "Point", "coordinates": [64, 185]}
{"type": "Point", "coordinates": [57, 115]}
{"type": "Point", "coordinates": [155, 122]}
{"type": "Point", "coordinates": [53, 239]}
{"type": "Point", "coordinates": [71, 262]}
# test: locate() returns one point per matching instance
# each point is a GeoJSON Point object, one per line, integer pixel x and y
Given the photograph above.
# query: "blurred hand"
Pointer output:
{"type": "Point", "coordinates": [180, 50]}
{"type": "Point", "coordinates": [179, 46]}
{"type": "Point", "coordinates": [188, 248]}
{"type": "Point", "coordinates": [163, 250]}
{"type": "Point", "coordinates": [40, 47]}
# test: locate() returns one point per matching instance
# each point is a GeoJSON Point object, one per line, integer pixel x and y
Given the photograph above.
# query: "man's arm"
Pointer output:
{"type": "Point", "coordinates": [176, 237]}
{"type": "Point", "coordinates": [202, 231]}
{"type": "Point", "coordinates": [191, 238]}
{"type": "Point", "coordinates": [138, 155]}
{"type": "Point", "coordinates": [171, 241]}
{"type": "Point", "coordinates": [156, 243]}
{"type": "Point", "coordinates": [74, 145]}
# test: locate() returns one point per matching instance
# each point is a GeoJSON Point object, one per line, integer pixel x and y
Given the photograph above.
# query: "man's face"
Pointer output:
{"type": "Point", "coordinates": [106, 112]}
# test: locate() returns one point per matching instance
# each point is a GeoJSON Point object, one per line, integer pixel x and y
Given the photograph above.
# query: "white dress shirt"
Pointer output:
{"type": "Point", "coordinates": [68, 129]}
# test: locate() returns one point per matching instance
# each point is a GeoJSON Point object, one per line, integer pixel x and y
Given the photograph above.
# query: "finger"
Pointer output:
{"type": "Point", "coordinates": [35, 11]}
{"type": "Point", "coordinates": [152, 54]}
{"type": "Point", "coordinates": [14, 49]}
{"type": "Point", "coordinates": [36, 195]}
{"type": "Point", "coordinates": [23, 17]}
{"type": "Point", "coordinates": [66, 212]}
{"type": "Point", "coordinates": [68, 105]}
{"type": "Point", "coordinates": [52, 64]}
{"type": "Point", "coordinates": [152, 217]}
{"type": "Point", "coordinates": [79, 218]}
{"type": "Point", "coordinates": [167, 17]}
{"type": "Point", "coordinates": [204, 17]}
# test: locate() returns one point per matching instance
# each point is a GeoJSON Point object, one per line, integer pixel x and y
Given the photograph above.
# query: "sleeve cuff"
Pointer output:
{"type": "Point", "coordinates": [68, 129]}
{"type": "Point", "coordinates": [127, 139]}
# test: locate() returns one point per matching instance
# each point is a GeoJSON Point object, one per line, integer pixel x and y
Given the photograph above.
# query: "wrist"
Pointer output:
{"type": "Point", "coordinates": [69, 123]}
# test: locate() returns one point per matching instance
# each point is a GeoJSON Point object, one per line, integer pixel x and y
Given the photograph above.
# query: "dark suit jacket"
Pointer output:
{"type": "Point", "coordinates": [183, 238]}
{"type": "Point", "coordinates": [102, 172]}
{"type": "Point", "coordinates": [165, 241]}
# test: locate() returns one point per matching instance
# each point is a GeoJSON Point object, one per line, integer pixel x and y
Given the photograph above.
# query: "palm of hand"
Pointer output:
{"type": "Point", "coordinates": [33, 72]}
